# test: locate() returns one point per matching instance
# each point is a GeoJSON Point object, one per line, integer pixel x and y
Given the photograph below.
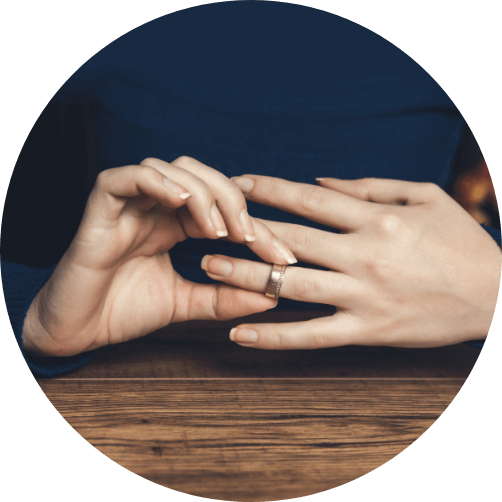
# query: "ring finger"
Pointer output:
{"type": "Point", "coordinates": [300, 284]}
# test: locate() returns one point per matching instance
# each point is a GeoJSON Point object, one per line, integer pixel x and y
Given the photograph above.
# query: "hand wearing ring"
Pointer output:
{"type": "Point", "coordinates": [275, 281]}
{"type": "Point", "coordinates": [411, 268]}
{"type": "Point", "coordinates": [268, 279]}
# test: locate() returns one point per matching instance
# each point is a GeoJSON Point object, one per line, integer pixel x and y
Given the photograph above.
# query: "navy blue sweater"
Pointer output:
{"type": "Point", "coordinates": [258, 88]}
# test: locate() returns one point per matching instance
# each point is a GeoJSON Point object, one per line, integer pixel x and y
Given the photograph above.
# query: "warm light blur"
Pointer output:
{"type": "Point", "coordinates": [474, 191]}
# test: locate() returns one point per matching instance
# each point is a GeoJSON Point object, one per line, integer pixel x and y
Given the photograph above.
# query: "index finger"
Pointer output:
{"type": "Point", "coordinates": [228, 197]}
{"type": "Point", "coordinates": [315, 203]}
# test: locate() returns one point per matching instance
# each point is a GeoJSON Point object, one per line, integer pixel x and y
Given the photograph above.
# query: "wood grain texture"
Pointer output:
{"type": "Point", "coordinates": [251, 440]}
{"type": "Point", "coordinates": [188, 409]}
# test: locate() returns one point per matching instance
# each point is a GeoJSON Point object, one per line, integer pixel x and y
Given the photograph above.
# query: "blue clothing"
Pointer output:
{"type": "Point", "coordinates": [260, 88]}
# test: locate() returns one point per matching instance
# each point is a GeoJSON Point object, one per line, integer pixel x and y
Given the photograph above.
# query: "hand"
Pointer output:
{"type": "Point", "coordinates": [410, 269]}
{"type": "Point", "coordinates": [116, 281]}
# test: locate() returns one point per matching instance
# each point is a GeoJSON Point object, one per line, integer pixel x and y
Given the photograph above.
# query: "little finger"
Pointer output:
{"type": "Point", "coordinates": [333, 331]}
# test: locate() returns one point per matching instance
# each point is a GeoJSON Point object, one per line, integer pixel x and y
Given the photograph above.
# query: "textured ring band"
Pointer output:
{"type": "Point", "coordinates": [275, 281]}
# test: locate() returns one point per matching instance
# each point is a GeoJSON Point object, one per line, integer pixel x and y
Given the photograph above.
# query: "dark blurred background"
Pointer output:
{"type": "Point", "coordinates": [57, 169]}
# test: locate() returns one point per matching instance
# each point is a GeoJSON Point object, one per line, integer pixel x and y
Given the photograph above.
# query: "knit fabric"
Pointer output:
{"type": "Point", "coordinates": [264, 88]}
{"type": "Point", "coordinates": [22, 283]}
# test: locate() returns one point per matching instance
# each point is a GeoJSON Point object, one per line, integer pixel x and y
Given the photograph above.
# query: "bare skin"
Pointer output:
{"type": "Point", "coordinates": [116, 281]}
{"type": "Point", "coordinates": [411, 268]}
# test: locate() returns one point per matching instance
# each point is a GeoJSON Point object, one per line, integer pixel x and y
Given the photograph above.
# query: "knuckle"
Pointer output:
{"type": "Point", "coordinates": [184, 160]}
{"type": "Point", "coordinates": [364, 185]}
{"type": "Point", "coordinates": [230, 189]}
{"type": "Point", "coordinates": [311, 198]}
{"type": "Point", "coordinates": [389, 223]}
{"type": "Point", "coordinates": [277, 342]}
{"type": "Point", "coordinates": [249, 276]}
{"type": "Point", "coordinates": [303, 286]}
{"type": "Point", "coordinates": [431, 189]}
{"type": "Point", "coordinates": [367, 185]}
{"type": "Point", "coordinates": [144, 171]}
{"type": "Point", "coordinates": [397, 228]}
{"type": "Point", "coordinates": [148, 161]}
{"type": "Point", "coordinates": [318, 339]}
{"type": "Point", "coordinates": [381, 264]}
{"type": "Point", "coordinates": [297, 238]}
{"type": "Point", "coordinates": [378, 264]}
{"type": "Point", "coordinates": [102, 180]}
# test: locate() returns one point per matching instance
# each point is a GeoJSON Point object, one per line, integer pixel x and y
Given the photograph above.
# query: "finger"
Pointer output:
{"type": "Point", "coordinates": [267, 246]}
{"type": "Point", "coordinates": [229, 198]}
{"type": "Point", "coordinates": [202, 204]}
{"type": "Point", "coordinates": [383, 191]}
{"type": "Point", "coordinates": [301, 284]}
{"type": "Point", "coordinates": [217, 302]}
{"type": "Point", "coordinates": [310, 245]}
{"type": "Point", "coordinates": [312, 202]}
{"type": "Point", "coordinates": [230, 205]}
{"type": "Point", "coordinates": [333, 331]}
{"type": "Point", "coordinates": [115, 186]}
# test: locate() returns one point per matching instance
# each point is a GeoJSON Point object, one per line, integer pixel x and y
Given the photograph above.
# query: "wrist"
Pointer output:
{"type": "Point", "coordinates": [33, 333]}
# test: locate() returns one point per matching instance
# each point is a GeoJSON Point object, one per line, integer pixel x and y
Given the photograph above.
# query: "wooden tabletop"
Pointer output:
{"type": "Point", "coordinates": [188, 409]}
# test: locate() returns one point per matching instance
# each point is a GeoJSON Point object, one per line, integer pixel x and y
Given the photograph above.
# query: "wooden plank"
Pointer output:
{"type": "Point", "coordinates": [202, 350]}
{"type": "Point", "coordinates": [251, 439]}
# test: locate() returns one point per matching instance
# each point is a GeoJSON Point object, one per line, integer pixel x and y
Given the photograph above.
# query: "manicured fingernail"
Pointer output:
{"type": "Point", "coordinates": [176, 189]}
{"type": "Point", "coordinates": [319, 179]}
{"type": "Point", "coordinates": [240, 335]}
{"type": "Point", "coordinates": [247, 226]}
{"type": "Point", "coordinates": [217, 219]}
{"type": "Point", "coordinates": [217, 266]}
{"type": "Point", "coordinates": [245, 184]}
{"type": "Point", "coordinates": [203, 263]}
{"type": "Point", "coordinates": [284, 251]}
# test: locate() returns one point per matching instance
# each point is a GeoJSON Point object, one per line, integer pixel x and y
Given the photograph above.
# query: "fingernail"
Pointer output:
{"type": "Point", "coordinates": [319, 179]}
{"type": "Point", "coordinates": [284, 251]}
{"type": "Point", "coordinates": [203, 263]}
{"type": "Point", "coordinates": [217, 219]}
{"type": "Point", "coordinates": [243, 335]}
{"type": "Point", "coordinates": [247, 226]}
{"type": "Point", "coordinates": [217, 266]}
{"type": "Point", "coordinates": [176, 189]}
{"type": "Point", "coordinates": [245, 184]}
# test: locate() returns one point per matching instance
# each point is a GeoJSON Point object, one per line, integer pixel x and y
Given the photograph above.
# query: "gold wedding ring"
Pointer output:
{"type": "Point", "coordinates": [275, 281]}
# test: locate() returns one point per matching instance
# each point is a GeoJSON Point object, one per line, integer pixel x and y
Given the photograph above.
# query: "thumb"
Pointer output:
{"type": "Point", "coordinates": [383, 191]}
{"type": "Point", "coordinates": [218, 302]}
